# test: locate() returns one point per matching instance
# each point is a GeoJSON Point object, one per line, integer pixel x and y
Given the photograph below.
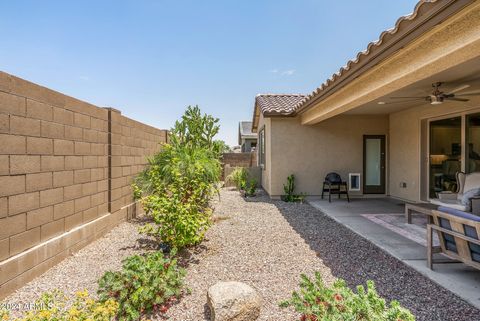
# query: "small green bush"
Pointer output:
{"type": "Point", "coordinates": [289, 189]}
{"type": "Point", "coordinates": [147, 283]}
{"type": "Point", "coordinates": [238, 177]}
{"type": "Point", "coordinates": [317, 302]}
{"type": "Point", "coordinates": [242, 181]}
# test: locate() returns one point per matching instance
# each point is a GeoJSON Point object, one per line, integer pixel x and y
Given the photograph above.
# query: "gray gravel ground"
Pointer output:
{"type": "Point", "coordinates": [265, 244]}
{"type": "Point", "coordinates": [82, 270]}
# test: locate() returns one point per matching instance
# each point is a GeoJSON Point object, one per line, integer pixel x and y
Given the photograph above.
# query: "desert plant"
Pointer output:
{"type": "Point", "coordinates": [178, 184]}
{"type": "Point", "coordinates": [289, 189]}
{"type": "Point", "coordinates": [317, 302]}
{"type": "Point", "coordinates": [146, 283]}
{"type": "Point", "coordinates": [56, 306]}
{"type": "Point", "coordinates": [251, 187]}
{"type": "Point", "coordinates": [238, 177]}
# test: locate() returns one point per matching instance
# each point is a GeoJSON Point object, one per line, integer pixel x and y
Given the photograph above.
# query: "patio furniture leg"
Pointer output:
{"type": "Point", "coordinates": [323, 189]}
{"type": "Point", "coordinates": [429, 247]}
{"type": "Point", "coordinates": [329, 193]}
{"type": "Point", "coordinates": [408, 214]}
{"type": "Point", "coordinates": [348, 198]}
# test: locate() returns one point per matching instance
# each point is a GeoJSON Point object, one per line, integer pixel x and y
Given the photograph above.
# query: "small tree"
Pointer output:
{"type": "Point", "coordinates": [180, 181]}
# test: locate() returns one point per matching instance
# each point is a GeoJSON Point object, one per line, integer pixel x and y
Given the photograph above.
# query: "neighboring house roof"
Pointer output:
{"type": "Point", "coordinates": [246, 129]}
{"type": "Point", "coordinates": [426, 15]}
{"type": "Point", "coordinates": [275, 105]}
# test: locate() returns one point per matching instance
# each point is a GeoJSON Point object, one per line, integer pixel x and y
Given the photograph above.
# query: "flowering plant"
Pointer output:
{"type": "Point", "coordinates": [317, 302]}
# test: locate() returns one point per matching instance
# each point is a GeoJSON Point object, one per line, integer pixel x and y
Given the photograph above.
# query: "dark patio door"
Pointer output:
{"type": "Point", "coordinates": [374, 164]}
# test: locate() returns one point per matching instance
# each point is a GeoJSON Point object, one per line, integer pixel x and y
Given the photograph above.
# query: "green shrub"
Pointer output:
{"type": "Point", "coordinates": [180, 181]}
{"type": "Point", "coordinates": [238, 177]}
{"type": "Point", "coordinates": [317, 302]}
{"type": "Point", "coordinates": [148, 283]}
{"type": "Point", "coordinates": [241, 178]}
{"type": "Point", "coordinates": [289, 190]}
{"type": "Point", "coordinates": [251, 187]}
{"type": "Point", "coordinates": [56, 306]}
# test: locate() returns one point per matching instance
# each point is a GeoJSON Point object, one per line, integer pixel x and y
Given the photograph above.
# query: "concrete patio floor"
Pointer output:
{"type": "Point", "coordinates": [459, 278]}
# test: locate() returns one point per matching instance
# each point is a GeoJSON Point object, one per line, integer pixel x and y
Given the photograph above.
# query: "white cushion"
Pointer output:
{"type": "Point", "coordinates": [471, 181]}
{"type": "Point", "coordinates": [448, 203]}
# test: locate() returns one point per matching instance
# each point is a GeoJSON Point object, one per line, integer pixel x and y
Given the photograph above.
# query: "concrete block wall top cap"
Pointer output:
{"type": "Point", "coordinates": [113, 109]}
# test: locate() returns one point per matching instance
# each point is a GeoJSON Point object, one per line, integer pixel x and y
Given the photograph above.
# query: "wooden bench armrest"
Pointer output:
{"type": "Point", "coordinates": [453, 233]}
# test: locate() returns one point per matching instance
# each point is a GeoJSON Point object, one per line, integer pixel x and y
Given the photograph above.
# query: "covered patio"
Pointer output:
{"type": "Point", "coordinates": [382, 222]}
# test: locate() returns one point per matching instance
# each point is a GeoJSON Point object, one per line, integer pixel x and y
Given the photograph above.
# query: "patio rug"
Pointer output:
{"type": "Point", "coordinates": [417, 231]}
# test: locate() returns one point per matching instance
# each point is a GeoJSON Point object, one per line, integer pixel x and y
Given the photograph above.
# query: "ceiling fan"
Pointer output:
{"type": "Point", "coordinates": [437, 96]}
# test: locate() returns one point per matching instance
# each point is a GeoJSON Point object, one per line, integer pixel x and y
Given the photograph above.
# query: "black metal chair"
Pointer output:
{"type": "Point", "coordinates": [333, 185]}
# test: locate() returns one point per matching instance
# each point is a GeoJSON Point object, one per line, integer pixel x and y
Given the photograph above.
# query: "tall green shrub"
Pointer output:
{"type": "Point", "coordinates": [180, 181]}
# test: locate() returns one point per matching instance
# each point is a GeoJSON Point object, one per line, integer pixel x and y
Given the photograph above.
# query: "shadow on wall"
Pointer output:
{"type": "Point", "coordinates": [356, 260]}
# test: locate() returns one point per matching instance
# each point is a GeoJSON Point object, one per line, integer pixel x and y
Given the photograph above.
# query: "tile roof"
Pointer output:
{"type": "Point", "coordinates": [277, 104]}
{"type": "Point", "coordinates": [422, 9]}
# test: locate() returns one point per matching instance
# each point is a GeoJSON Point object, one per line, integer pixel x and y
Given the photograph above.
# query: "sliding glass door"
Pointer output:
{"type": "Point", "coordinates": [445, 154]}
{"type": "Point", "coordinates": [472, 156]}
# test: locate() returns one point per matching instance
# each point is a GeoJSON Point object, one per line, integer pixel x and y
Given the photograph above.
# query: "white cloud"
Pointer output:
{"type": "Point", "coordinates": [288, 72]}
{"type": "Point", "coordinates": [86, 78]}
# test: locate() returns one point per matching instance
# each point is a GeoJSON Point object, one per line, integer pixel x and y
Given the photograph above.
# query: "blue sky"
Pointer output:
{"type": "Point", "coordinates": [151, 59]}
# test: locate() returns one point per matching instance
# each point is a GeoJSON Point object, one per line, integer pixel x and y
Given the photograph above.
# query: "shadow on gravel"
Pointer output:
{"type": "Point", "coordinates": [356, 260]}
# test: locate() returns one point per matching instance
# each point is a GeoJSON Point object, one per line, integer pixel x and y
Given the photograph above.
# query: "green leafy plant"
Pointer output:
{"type": "Point", "coordinates": [251, 187]}
{"type": "Point", "coordinates": [56, 306]}
{"type": "Point", "coordinates": [180, 181]}
{"type": "Point", "coordinates": [289, 190]}
{"type": "Point", "coordinates": [238, 177]}
{"type": "Point", "coordinates": [147, 283]}
{"type": "Point", "coordinates": [317, 302]}
{"type": "Point", "coordinates": [242, 181]}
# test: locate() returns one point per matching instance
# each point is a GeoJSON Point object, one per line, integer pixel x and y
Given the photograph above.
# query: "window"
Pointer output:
{"type": "Point", "coordinates": [261, 148]}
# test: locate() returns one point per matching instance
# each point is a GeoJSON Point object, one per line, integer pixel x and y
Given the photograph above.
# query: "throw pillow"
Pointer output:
{"type": "Point", "coordinates": [467, 196]}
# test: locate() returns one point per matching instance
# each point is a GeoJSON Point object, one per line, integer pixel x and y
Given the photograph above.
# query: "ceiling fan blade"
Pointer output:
{"type": "Point", "coordinates": [417, 97]}
{"type": "Point", "coordinates": [457, 99]}
{"type": "Point", "coordinates": [473, 93]}
{"type": "Point", "coordinates": [459, 88]}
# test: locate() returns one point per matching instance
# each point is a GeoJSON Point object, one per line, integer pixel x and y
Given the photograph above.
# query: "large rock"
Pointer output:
{"type": "Point", "coordinates": [233, 301]}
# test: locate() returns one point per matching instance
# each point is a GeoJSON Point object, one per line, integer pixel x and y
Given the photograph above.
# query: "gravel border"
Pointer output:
{"type": "Point", "coordinates": [266, 244]}
{"type": "Point", "coordinates": [82, 270]}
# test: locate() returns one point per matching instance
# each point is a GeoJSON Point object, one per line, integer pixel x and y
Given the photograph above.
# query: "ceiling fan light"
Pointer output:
{"type": "Point", "coordinates": [436, 100]}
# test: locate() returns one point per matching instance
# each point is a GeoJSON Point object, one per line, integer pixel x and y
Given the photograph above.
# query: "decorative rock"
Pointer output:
{"type": "Point", "coordinates": [233, 301]}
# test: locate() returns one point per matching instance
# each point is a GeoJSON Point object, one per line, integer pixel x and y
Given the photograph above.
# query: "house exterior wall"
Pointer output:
{"type": "Point", "coordinates": [310, 152]}
{"type": "Point", "coordinates": [405, 144]}
{"type": "Point", "coordinates": [65, 173]}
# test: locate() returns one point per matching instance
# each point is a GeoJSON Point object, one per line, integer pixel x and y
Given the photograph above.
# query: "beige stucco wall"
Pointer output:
{"type": "Point", "coordinates": [310, 152]}
{"type": "Point", "coordinates": [405, 144]}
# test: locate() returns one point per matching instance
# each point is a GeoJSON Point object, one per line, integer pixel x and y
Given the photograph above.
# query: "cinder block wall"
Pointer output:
{"type": "Point", "coordinates": [65, 172]}
{"type": "Point", "coordinates": [238, 160]}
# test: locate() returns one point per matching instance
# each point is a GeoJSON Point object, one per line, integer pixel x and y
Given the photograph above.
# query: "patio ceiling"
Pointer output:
{"type": "Point", "coordinates": [467, 73]}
